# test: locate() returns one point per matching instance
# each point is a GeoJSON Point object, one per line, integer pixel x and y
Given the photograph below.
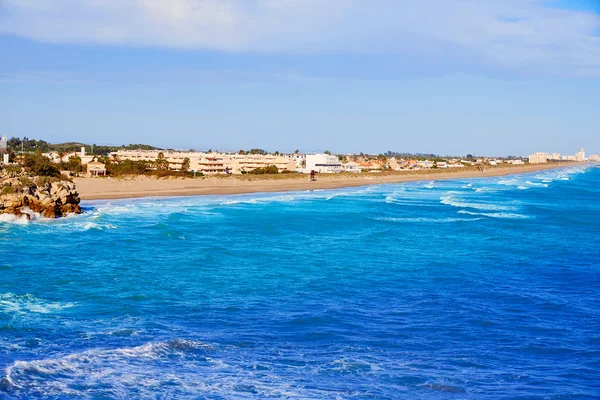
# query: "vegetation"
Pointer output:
{"type": "Point", "coordinates": [161, 163]}
{"type": "Point", "coordinates": [73, 164]}
{"type": "Point", "coordinates": [269, 170]}
{"type": "Point", "coordinates": [30, 145]}
{"type": "Point", "coordinates": [185, 165]}
{"type": "Point", "coordinates": [8, 189]}
{"type": "Point", "coordinates": [37, 164]}
{"type": "Point", "coordinates": [126, 167]}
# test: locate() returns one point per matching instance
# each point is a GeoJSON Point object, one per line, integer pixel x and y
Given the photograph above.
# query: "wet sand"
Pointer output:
{"type": "Point", "coordinates": [145, 186]}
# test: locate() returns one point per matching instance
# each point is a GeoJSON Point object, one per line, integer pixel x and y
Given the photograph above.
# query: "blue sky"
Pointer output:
{"type": "Point", "coordinates": [451, 77]}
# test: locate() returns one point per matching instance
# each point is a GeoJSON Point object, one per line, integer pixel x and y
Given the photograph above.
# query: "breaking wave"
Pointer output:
{"type": "Point", "coordinates": [459, 203]}
{"type": "Point", "coordinates": [27, 303]}
{"type": "Point", "coordinates": [496, 215]}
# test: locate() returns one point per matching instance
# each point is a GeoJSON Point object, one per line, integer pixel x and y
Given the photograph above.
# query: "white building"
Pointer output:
{"type": "Point", "coordinates": [539, 158]}
{"type": "Point", "coordinates": [3, 149]}
{"type": "Point", "coordinates": [594, 158]}
{"type": "Point", "coordinates": [323, 163]}
{"type": "Point", "coordinates": [580, 156]}
{"type": "Point", "coordinates": [212, 163]}
{"type": "Point", "coordinates": [352, 167]}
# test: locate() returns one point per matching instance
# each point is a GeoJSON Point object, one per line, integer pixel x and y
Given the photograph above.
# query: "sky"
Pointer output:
{"type": "Point", "coordinates": [451, 77]}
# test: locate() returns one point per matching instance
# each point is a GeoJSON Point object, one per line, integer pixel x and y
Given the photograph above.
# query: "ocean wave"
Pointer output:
{"type": "Point", "coordinates": [530, 183]}
{"type": "Point", "coordinates": [459, 203]}
{"type": "Point", "coordinates": [27, 303]}
{"type": "Point", "coordinates": [425, 220]}
{"type": "Point", "coordinates": [496, 215]}
{"type": "Point", "coordinates": [175, 369]}
{"type": "Point", "coordinates": [13, 219]}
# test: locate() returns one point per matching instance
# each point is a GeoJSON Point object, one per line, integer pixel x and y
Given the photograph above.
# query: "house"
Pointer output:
{"type": "Point", "coordinates": [95, 168]}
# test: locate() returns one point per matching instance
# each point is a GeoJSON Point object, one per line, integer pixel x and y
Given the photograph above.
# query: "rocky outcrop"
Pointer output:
{"type": "Point", "coordinates": [24, 195]}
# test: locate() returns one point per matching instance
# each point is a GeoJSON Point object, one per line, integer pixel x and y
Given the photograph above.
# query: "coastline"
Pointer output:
{"type": "Point", "coordinates": [144, 186]}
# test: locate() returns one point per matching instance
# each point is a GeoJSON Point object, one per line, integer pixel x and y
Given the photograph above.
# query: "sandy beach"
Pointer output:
{"type": "Point", "coordinates": [144, 186]}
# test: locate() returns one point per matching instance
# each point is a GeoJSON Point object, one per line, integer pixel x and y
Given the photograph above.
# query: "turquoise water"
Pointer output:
{"type": "Point", "coordinates": [470, 289]}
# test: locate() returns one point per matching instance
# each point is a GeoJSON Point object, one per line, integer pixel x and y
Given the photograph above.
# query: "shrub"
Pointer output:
{"type": "Point", "coordinates": [271, 169]}
{"type": "Point", "coordinates": [127, 167]}
{"type": "Point", "coordinates": [8, 189]}
{"type": "Point", "coordinates": [40, 165]}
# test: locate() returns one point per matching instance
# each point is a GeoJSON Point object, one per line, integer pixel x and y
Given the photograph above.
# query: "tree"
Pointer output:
{"type": "Point", "coordinates": [297, 151]}
{"type": "Point", "coordinates": [242, 152]}
{"type": "Point", "coordinates": [74, 164]}
{"type": "Point", "coordinates": [40, 165]}
{"type": "Point", "coordinates": [162, 164]}
{"type": "Point", "coordinates": [185, 165]}
{"type": "Point", "coordinates": [327, 152]}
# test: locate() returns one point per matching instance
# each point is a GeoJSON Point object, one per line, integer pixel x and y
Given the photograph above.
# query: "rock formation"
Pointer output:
{"type": "Point", "coordinates": [22, 194]}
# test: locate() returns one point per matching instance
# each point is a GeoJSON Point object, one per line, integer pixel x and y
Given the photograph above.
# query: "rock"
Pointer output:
{"type": "Point", "coordinates": [49, 199]}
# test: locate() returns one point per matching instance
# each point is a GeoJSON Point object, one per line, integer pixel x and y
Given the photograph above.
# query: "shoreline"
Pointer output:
{"type": "Point", "coordinates": [144, 186]}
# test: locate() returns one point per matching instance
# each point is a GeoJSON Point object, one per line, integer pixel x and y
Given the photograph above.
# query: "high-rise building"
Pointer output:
{"type": "Point", "coordinates": [3, 143]}
{"type": "Point", "coordinates": [539, 158]}
{"type": "Point", "coordinates": [580, 156]}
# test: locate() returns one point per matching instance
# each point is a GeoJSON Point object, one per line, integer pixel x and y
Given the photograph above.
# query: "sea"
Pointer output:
{"type": "Point", "coordinates": [460, 289]}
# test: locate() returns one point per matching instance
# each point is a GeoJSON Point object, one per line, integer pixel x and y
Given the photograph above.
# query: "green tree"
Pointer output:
{"type": "Point", "coordinates": [161, 163]}
{"type": "Point", "coordinates": [327, 152]}
{"type": "Point", "coordinates": [297, 151]}
{"type": "Point", "coordinates": [40, 165]}
{"type": "Point", "coordinates": [185, 165]}
{"type": "Point", "coordinates": [74, 164]}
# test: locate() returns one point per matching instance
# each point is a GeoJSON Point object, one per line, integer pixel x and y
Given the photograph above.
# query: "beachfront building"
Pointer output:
{"type": "Point", "coordinates": [323, 163]}
{"type": "Point", "coordinates": [57, 157]}
{"type": "Point", "coordinates": [539, 158]}
{"type": "Point", "coordinates": [240, 163]}
{"type": "Point", "coordinates": [352, 167]}
{"type": "Point", "coordinates": [580, 156]}
{"type": "Point", "coordinates": [95, 168]}
{"type": "Point", "coordinates": [212, 163]}
{"type": "Point", "coordinates": [594, 158]}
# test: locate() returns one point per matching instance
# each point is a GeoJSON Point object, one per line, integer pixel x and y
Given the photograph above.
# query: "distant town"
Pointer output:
{"type": "Point", "coordinates": [87, 160]}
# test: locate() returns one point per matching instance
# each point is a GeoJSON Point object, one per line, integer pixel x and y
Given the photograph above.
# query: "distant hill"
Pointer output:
{"type": "Point", "coordinates": [26, 144]}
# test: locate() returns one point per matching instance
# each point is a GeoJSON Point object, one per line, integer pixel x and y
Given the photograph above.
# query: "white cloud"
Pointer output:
{"type": "Point", "coordinates": [521, 35]}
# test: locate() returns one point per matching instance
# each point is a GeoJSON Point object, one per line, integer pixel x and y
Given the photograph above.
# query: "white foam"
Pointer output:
{"type": "Point", "coordinates": [426, 220]}
{"type": "Point", "coordinates": [495, 215]}
{"type": "Point", "coordinates": [170, 368]}
{"type": "Point", "coordinates": [530, 183]}
{"type": "Point", "coordinates": [13, 219]}
{"type": "Point", "coordinates": [27, 303]}
{"type": "Point", "coordinates": [454, 202]}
